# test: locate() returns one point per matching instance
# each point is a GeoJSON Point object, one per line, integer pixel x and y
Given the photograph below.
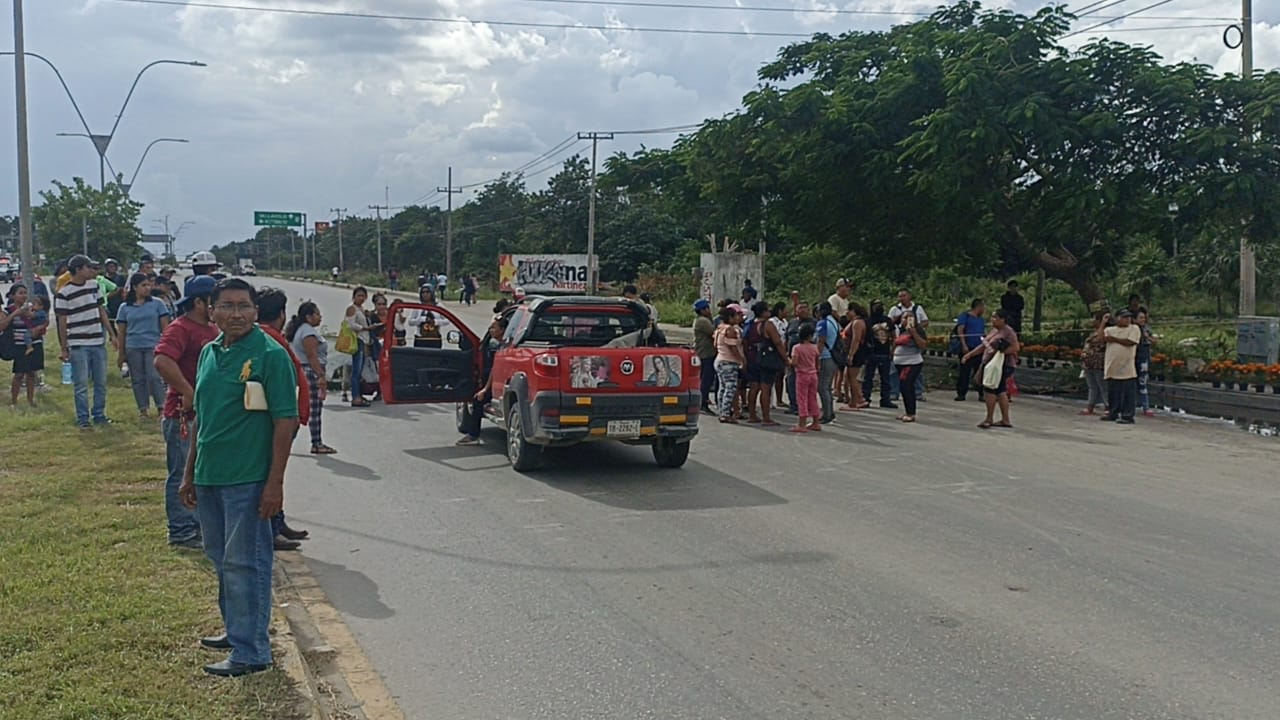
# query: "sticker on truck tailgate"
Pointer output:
{"type": "Point", "coordinates": [662, 371]}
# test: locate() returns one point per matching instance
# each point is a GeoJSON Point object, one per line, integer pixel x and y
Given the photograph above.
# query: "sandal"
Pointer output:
{"type": "Point", "coordinates": [322, 449]}
{"type": "Point", "coordinates": [753, 421]}
{"type": "Point", "coordinates": [908, 419]}
{"type": "Point", "coordinates": [1005, 424]}
{"type": "Point", "coordinates": [985, 425]}
{"type": "Point", "coordinates": [799, 429]}
{"type": "Point", "coordinates": [728, 420]}
{"type": "Point", "coordinates": [815, 428]}
{"type": "Point", "coordinates": [850, 408]}
{"type": "Point", "coordinates": [769, 423]}
{"type": "Point", "coordinates": [360, 403]}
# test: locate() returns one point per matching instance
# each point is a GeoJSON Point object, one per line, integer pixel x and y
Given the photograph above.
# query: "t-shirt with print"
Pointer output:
{"type": "Point", "coordinates": [142, 323]}
{"type": "Point", "coordinates": [1120, 358]}
{"type": "Point", "coordinates": [234, 445]}
{"type": "Point", "coordinates": [182, 342]}
{"type": "Point", "coordinates": [80, 305]}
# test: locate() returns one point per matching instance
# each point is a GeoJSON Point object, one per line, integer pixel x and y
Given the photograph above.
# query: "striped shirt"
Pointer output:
{"type": "Point", "coordinates": [81, 306]}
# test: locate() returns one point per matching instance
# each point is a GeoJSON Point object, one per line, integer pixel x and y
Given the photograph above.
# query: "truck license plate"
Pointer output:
{"type": "Point", "coordinates": [624, 428]}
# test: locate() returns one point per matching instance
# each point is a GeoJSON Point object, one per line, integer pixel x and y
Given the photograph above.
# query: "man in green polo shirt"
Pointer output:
{"type": "Point", "coordinates": [246, 404]}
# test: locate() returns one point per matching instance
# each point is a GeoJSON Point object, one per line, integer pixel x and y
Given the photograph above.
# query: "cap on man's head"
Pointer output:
{"type": "Point", "coordinates": [200, 286]}
{"type": "Point", "coordinates": [111, 261]}
{"type": "Point", "coordinates": [842, 282]}
{"type": "Point", "coordinates": [80, 261]}
{"type": "Point", "coordinates": [146, 258]}
{"type": "Point", "coordinates": [166, 270]}
{"type": "Point", "coordinates": [702, 304]}
{"type": "Point", "coordinates": [1124, 313]}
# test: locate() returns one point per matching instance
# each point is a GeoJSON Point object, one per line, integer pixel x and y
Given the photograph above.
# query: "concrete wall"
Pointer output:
{"type": "Point", "coordinates": [722, 275]}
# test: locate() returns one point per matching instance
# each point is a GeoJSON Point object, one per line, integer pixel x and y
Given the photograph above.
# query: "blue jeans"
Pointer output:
{"type": "Point", "coordinates": [826, 373]}
{"type": "Point", "coordinates": [357, 365]}
{"type": "Point", "coordinates": [182, 522]}
{"type": "Point", "coordinates": [90, 363]}
{"type": "Point", "coordinates": [895, 391]}
{"type": "Point", "coordinates": [238, 542]}
{"type": "Point", "coordinates": [148, 386]}
{"type": "Point", "coordinates": [878, 364]}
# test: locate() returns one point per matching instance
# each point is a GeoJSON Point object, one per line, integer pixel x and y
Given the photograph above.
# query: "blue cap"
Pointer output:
{"type": "Point", "coordinates": [198, 286]}
{"type": "Point", "coordinates": [702, 304]}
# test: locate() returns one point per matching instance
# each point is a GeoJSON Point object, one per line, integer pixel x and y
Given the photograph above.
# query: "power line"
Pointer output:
{"type": "Point", "coordinates": [743, 8]}
{"type": "Point", "coordinates": [462, 21]}
{"type": "Point", "coordinates": [1149, 29]}
{"type": "Point", "coordinates": [1099, 7]}
{"type": "Point", "coordinates": [657, 131]}
{"type": "Point", "coordinates": [1152, 6]}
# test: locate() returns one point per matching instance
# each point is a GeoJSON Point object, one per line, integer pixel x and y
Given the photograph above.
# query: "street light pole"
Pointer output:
{"type": "Point", "coordinates": [1248, 262]}
{"type": "Point", "coordinates": [153, 143]}
{"type": "Point", "coordinates": [24, 157]}
{"type": "Point", "coordinates": [341, 264]}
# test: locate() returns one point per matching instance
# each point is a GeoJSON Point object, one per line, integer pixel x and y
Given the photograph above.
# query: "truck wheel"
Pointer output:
{"type": "Point", "coordinates": [522, 454]}
{"type": "Point", "coordinates": [669, 453]}
{"type": "Point", "coordinates": [463, 415]}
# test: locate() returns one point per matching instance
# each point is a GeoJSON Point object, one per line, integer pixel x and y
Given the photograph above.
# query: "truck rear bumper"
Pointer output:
{"type": "Point", "coordinates": [560, 418]}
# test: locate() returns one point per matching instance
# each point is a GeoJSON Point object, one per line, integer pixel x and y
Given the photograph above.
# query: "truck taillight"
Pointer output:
{"type": "Point", "coordinates": [548, 360]}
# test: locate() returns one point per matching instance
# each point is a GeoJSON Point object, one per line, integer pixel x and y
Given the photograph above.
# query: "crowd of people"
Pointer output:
{"type": "Point", "coordinates": [223, 364]}
{"type": "Point", "coordinates": [808, 358]}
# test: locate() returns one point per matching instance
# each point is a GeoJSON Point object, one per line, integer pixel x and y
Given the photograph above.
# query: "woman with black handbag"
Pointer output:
{"type": "Point", "coordinates": [766, 358]}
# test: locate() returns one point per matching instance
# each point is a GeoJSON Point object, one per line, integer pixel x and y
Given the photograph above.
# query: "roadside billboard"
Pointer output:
{"type": "Point", "coordinates": [543, 273]}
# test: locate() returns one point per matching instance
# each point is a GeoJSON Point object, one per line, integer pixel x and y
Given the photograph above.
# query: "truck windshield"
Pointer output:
{"type": "Point", "coordinates": [580, 326]}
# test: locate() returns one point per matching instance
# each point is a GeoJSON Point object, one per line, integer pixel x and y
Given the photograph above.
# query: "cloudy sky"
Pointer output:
{"type": "Point", "coordinates": [304, 113]}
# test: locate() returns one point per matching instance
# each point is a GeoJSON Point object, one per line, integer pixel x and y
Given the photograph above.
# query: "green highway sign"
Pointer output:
{"type": "Point", "coordinates": [263, 218]}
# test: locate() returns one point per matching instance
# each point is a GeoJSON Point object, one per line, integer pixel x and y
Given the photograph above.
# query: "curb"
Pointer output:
{"type": "Point", "coordinates": [337, 677]}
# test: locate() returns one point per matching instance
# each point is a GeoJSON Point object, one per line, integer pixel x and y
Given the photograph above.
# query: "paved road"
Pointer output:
{"type": "Point", "coordinates": [1065, 569]}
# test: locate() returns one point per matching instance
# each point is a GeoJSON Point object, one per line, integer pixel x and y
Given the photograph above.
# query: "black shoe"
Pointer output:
{"type": "Point", "coordinates": [959, 398]}
{"type": "Point", "coordinates": [189, 544]}
{"type": "Point", "coordinates": [1125, 421]}
{"type": "Point", "coordinates": [283, 544]}
{"type": "Point", "coordinates": [216, 642]}
{"type": "Point", "coordinates": [888, 406]}
{"type": "Point", "coordinates": [292, 534]}
{"type": "Point", "coordinates": [226, 668]}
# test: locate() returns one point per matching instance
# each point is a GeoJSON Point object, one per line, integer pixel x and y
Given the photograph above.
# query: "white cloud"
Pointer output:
{"type": "Point", "coordinates": [309, 113]}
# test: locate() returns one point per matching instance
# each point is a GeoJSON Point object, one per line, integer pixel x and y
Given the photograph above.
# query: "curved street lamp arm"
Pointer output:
{"type": "Point", "coordinates": [138, 77]}
{"type": "Point", "coordinates": [144, 155]}
{"type": "Point", "coordinates": [70, 97]}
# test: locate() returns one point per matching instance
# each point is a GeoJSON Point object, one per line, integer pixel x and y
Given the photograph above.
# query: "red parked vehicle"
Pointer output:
{"type": "Point", "coordinates": [568, 370]}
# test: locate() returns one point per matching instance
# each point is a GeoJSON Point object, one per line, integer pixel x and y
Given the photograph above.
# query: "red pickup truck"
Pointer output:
{"type": "Point", "coordinates": [568, 370]}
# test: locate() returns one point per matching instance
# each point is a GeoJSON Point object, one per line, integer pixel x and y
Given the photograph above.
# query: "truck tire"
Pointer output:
{"type": "Point", "coordinates": [669, 453]}
{"type": "Point", "coordinates": [522, 454]}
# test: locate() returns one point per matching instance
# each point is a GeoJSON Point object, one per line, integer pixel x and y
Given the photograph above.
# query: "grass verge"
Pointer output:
{"type": "Point", "coordinates": [99, 617]}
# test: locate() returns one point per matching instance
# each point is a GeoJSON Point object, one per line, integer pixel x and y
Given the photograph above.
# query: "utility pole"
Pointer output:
{"type": "Point", "coordinates": [341, 265]}
{"type": "Point", "coordinates": [449, 191]}
{"type": "Point", "coordinates": [1248, 263]}
{"type": "Point", "coordinates": [24, 157]}
{"type": "Point", "coordinates": [378, 211]}
{"type": "Point", "coordinates": [592, 279]}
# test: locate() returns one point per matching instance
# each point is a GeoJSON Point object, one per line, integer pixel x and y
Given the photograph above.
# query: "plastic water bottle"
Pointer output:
{"type": "Point", "coordinates": [124, 370]}
{"type": "Point", "coordinates": [66, 373]}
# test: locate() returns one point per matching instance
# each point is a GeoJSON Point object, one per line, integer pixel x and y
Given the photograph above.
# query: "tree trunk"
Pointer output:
{"type": "Point", "coordinates": [1060, 264]}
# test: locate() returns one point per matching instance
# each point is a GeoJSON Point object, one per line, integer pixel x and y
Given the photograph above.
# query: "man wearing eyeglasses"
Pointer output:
{"type": "Point", "coordinates": [246, 403]}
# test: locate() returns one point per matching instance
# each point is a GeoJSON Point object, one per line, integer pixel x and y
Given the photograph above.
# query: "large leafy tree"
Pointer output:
{"type": "Point", "coordinates": [70, 214]}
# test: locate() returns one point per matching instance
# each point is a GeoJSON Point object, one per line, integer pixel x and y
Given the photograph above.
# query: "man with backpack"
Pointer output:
{"type": "Point", "coordinates": [828, 337]}
{"type": "Point", "coordinates": [906, 306]}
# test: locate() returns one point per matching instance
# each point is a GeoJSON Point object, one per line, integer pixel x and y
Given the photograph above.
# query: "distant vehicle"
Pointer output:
{"type": "Point", "coordinates": [9, 268]}
{"type": "Point", "coordinates": [244, 266]}
{"type": "Point", "coordinates": [569, 370]}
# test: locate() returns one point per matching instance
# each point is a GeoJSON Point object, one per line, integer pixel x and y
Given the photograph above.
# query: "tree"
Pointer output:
{"type": "Point", "coordinates": [635, 237]}
{"type": "Point", "coordinates": [71, 213]}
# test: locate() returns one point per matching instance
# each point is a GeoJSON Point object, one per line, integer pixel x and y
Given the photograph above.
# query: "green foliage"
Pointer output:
{"type": "Point", "coordinates": [71, 213]}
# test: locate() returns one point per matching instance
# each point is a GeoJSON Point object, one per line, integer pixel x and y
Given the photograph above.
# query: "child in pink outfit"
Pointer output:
{"type": "Point", "coordinates": [804, 357]}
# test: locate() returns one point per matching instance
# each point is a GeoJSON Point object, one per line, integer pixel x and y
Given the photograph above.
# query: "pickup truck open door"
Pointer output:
{"type": "Point", "coordinates": [436, 366]}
